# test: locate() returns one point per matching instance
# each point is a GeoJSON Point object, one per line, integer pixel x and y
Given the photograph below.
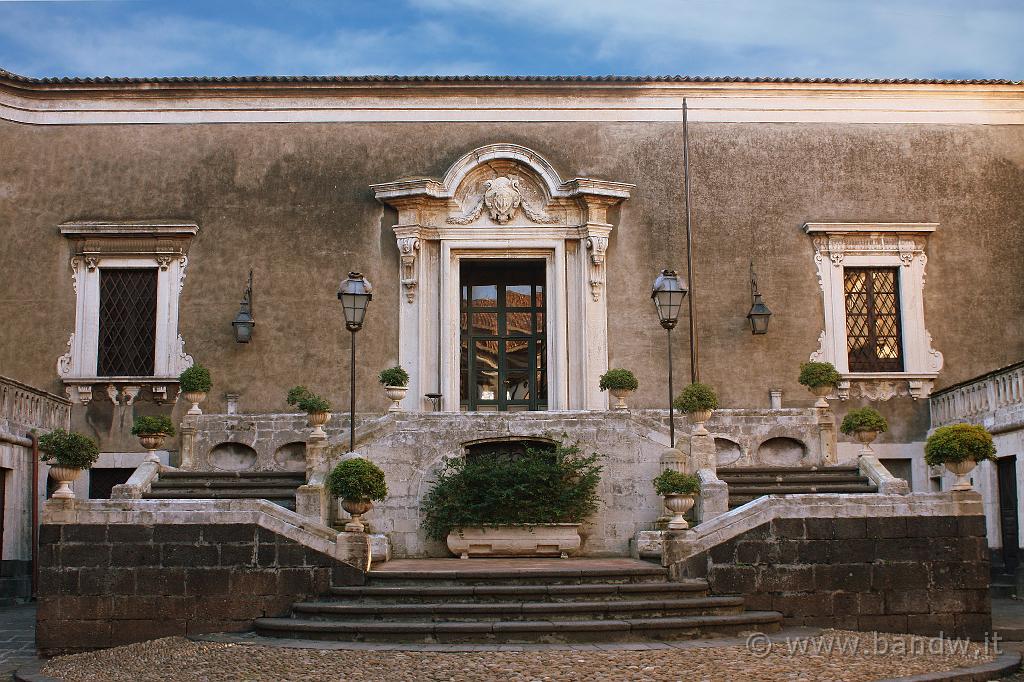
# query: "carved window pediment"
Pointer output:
{"type": "Point", "coordinates": [902, 246]}
{"type": "Point", "coordinates": [160, 246]}
{"type": "Point", "coordinates": [503, 201]}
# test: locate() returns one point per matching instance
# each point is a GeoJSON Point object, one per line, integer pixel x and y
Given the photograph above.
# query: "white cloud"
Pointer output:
{"type": "Point", "coordinates": [784, 37]}
{"type": "Point", "coordinates": [161, 44]}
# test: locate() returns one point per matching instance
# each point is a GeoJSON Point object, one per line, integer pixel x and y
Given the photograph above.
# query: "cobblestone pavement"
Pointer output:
{"type": "Point", "coordinates": [864, 657]}
{"type": "Point", "coordinates": [17, 638]}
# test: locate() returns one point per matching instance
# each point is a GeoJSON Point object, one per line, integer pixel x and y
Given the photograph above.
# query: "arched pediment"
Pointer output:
{"type": "Point", "coordinates": [501, 184]}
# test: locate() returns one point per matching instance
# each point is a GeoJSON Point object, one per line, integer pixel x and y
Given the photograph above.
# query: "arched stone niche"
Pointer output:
{"type": "Point", "coordinates": [727, 452]}
{"type": "Point", "coordinates": [503, 201]}
{"type": "Point", "coordinates": [781, 451]}
{"type": "Point", "coordinates": [232, 457]}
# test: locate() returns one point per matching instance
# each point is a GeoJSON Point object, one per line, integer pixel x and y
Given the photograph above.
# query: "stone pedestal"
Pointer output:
{"type": "Point", "coordinates": [702, 453]}
{"type": "Point", "coordinates": [714, 496]}
{"type": "Point", "coordinates": [311, 501]}
{"type": "Point", "coordinates": [188, 443]}
{"type": "Point", "coordinates": [827, 436]}
{"type": "Point", "coordinates": [647, 544]}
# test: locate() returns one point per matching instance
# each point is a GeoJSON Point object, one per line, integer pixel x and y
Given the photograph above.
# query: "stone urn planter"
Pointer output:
{"type": "Point", "coordinates": [698, 418]}
{"type": "Point", "coordinates": [865, 438]}
{"type": "Point", "coordinates": [64, 477]}
{"type": "Point", "coordinates": [356, 509]}
{"type": "Point", "coordinates": [620, 395]}
{"type": "Point", "coordinates": [395, 394]}
{"type": "Point", "coordinates": [678, 505]}
{"type": "Point", "coordinates": [317, 421]}
{"type": "Point", "coordinates": [540, 540]}
{"type": "Point", "coordinates": [194, 397]}
{"type": "Point", "coordinates": [822, 393]}
{"type": "Point", "coordinates": [961, 469]}
{"type": "Point", "coordinates": [152, 442]}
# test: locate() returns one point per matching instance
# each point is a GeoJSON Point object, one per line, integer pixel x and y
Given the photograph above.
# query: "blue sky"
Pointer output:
{"type": "Point", "coordinates": [849, 38]}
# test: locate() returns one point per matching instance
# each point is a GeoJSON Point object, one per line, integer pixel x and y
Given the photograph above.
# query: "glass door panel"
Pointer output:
{"type": "Point", "coordinates": [502, 335]}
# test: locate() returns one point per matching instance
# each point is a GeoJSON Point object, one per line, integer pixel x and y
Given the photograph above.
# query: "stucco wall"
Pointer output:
{"type": "Point", "coordinates": [292, 202]}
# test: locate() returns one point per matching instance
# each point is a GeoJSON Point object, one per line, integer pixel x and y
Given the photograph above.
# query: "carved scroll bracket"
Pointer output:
{"type": "Point", "coordinates": [598, 247]}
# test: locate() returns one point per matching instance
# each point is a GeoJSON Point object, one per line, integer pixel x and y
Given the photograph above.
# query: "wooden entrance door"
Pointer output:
{"type": "Point", "coordinates": [1008, 524]}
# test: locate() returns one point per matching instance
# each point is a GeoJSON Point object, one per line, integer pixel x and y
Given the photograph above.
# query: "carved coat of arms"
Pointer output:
{"type": "Point", "coordinates": [502, 197]}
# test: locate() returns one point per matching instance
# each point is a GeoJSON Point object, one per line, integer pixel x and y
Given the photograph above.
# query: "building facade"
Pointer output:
{"type": "Point", "coordinates": [511, 229]}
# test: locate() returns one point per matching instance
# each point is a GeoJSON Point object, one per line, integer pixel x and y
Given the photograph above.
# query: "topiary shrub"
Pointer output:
{"type": "Point", "coordinates": [815, 374]}
{"type": "Point", "coordinates": [393, 376]}
{"type": "Point", "coordinates": [68, 449]}
{"type": "Point", "coordinates": [959, 443]}
{"type": "Point", "coordinates": [488, 490]}
{"type": "Point", "coordinates": [619, 379]}
{"type": "Point", "coordinates": [864, 419]}
{"type": "Point", "coordinates": [671, 482]}
{"type": "Point", "coordinates": [696, 398]}
{"type": "Point", "coordinates": [357, 479]}
{"type": "Point", "coordinates": [195, 379]}
{"type": "Point", "coordinates": [301, 397]}
{"type": "Point", "coordinates": [144, 426]}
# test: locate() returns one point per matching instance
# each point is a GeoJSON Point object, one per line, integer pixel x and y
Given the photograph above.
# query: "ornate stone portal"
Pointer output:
{"type": "Point", "coordinates": [503, 201]}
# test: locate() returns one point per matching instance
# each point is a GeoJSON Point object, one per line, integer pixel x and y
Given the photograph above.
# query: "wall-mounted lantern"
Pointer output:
{"type": "Point", "coordinates": [759, 313]}
{"type": "Point", "coordinates": [244, 322]}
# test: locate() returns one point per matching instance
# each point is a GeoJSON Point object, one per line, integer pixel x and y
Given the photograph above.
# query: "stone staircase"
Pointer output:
{"type": "Point", "coordinates": [555, 601]}
{"type": "Point", "coordinates": [277, 487]}
{"type": "Point", "coordinates": [749, 483]}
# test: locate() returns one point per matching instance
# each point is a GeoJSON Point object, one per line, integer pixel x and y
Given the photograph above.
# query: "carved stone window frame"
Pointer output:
{"type": "Point", "coordinates": [503, 201]}
{"type": "Point", "coordinates": [902, 245]}
{"type": "Point", "coordinates": [137, 244]}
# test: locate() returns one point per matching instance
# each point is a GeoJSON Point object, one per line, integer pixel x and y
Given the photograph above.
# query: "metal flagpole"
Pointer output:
{"type": "Point", "coordinates": [694, 362]}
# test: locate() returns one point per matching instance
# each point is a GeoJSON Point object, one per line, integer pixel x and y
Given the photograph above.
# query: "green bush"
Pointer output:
{"type": "Point", "coordinates": [814, 374]}
{"type": "Point", "coordinates": [959, 443]}
{"type": "Point", "coordinates": [68, 449]}
{"type": "Point", "coordinates": [195, 379]}
{"type": "Point", "coordinates": [671, 482]}
{"type": "Point", "coordinates": [357, 479]}
{"type": "Point", "coordinates": [696, 397]}
{"type": "Point", "coordinates": [301, 397]}
{"type": "Point", "coordinates": [393, 376]}
{"type": "Point", "coordinates": [150, 425]}
{"type": "Point", "coordinates": [540, 486]}
{"type": "Point", "coordinates": [864, 419]}
{"type": "Point", "coordinates": [618, 379]}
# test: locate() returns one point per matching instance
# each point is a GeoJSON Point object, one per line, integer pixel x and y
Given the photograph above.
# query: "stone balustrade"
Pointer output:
{"type": "Point", "coordinates": [23, 407]}
{"type": "Point", "coordinates": [995, 400]}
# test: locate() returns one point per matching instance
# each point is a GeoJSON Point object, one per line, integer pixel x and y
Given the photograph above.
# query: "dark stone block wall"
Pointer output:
{"type": "Point", "coordinates": [106, 585]}
{"type": "Point", "coordinates": [920, 574]}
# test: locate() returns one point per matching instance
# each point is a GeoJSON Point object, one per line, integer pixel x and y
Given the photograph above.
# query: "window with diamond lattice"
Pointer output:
{"type": "Point", "coordinates": [127, 337]}
{"type": "Point", "coordinates": [873, 335]}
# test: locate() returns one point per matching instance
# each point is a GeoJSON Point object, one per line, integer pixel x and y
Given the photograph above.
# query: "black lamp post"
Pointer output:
{"type": "Point", "coordinates": [668, 294]}
{"type": "Point", "coordinates": [759, 313]}
{"type": "Point", "coordinates": [244, 322]}
{"type": "Point", "coordinates": [354, 293]}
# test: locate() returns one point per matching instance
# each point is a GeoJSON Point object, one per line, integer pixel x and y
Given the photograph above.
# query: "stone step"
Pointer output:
{"type": "Point", "coordinates": [810, 479]}
{"type": "Point", "coordinates": [255, 475]}
{"type": "Point", "coordinates": [581, 630]}
{"type": "Point", "coordinates": [519, 610]}
{"type": "Point", "coordinates": [220, 493]}
{"type": "Point", "coordinates": [747, 471]}
{"type": "Point", "coordinates": [794, 489]}
{"type": "Point", "coordinates": [569, 573]}
{"type": "Point", "coordinates": [225, 483]}
{"type": "Point", "coordinates": [539, 592]}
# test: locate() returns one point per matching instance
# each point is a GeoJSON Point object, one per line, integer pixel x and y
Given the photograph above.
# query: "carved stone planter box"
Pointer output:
{"type": "Point", "coordinates": [541, 540]}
